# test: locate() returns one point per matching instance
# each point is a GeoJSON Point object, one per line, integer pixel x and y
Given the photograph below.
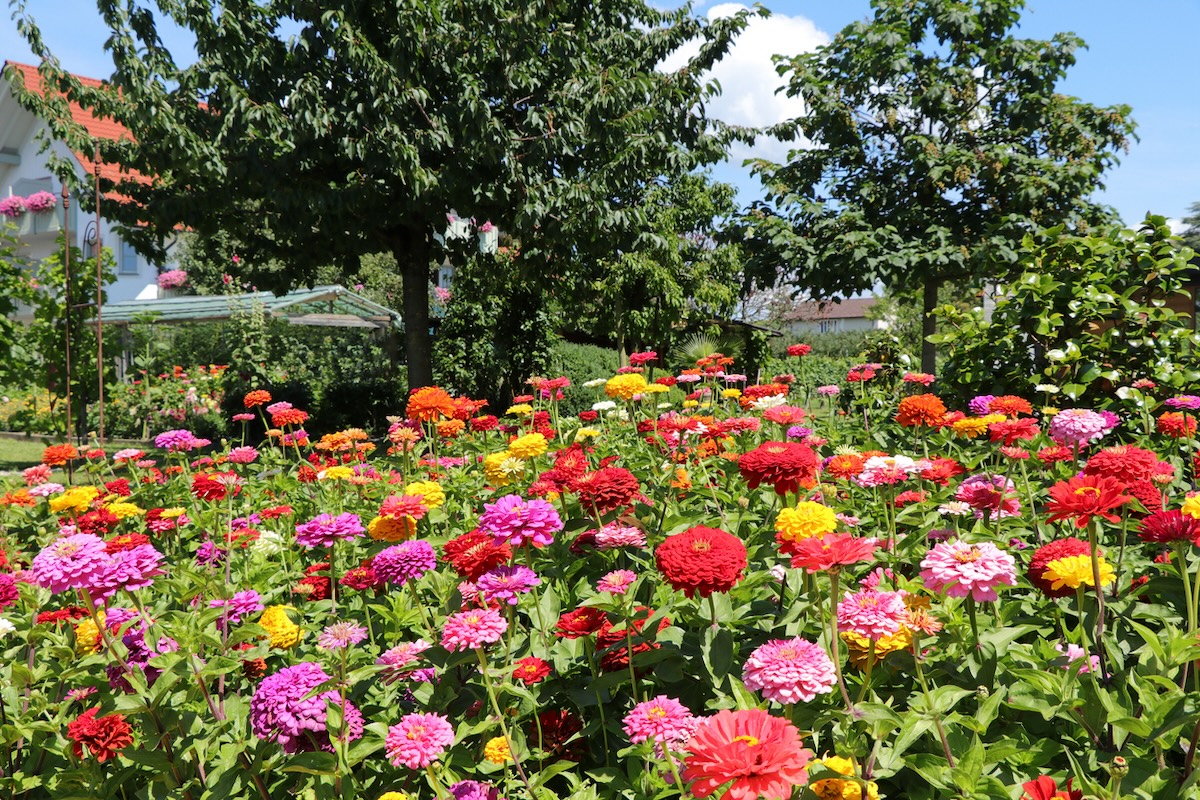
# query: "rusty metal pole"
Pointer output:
{"type": "Point", "coordinates": [66, 205]}
{"type": "Point", "coordinates": [99, 303]}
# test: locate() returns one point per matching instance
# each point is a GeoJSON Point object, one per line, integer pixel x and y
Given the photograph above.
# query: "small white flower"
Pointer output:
{"type": "Point", "coordinates": [955, 508]}
{"type": "Point", "coordinates": [604, 405]}
{"type": "Point", "coordinates": [770, 401]}
{"type": "Point", "coordinates": [269, 543]}
{"type": "Point", "coordinates": [6, 628]}
{"type": "Point", "coordinates": [594, 382]}
{"type": "Point", "coordinates": [1048, 388]}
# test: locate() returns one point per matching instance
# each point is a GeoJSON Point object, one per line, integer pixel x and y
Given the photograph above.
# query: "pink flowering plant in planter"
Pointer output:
{"type": "Point", "coordinates": [13, 207]}
{"type": "Point", "coordinates": [172, 279]}
{"type": "Point", "coordinates": [39, 202]}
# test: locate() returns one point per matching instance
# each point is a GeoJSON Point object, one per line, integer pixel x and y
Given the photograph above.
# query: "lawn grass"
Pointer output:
{"type": "Point", "coordinates": [17, 454]}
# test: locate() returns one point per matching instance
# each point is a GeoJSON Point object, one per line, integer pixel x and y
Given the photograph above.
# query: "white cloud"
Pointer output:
{"type": "Point", "coordinates": [748, 78]}
{"type": "Point", "coordinates": [1177, 226]}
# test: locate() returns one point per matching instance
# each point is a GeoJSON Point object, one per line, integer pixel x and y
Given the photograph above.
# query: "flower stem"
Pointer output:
{"type": "Point", "coordinates": [833, 638]}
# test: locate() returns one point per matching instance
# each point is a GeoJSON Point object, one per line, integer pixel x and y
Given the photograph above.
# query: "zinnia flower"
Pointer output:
{"type": "Point", "coordinates": [1169, 526]}
{"type": "Point", "coordinates": [515, 520]}
{"type": "Point", "coordinates": [404, 562]}
{"type": "Point", "coordinates": [661, 719]}
{"type": "Point", "coordinates": [837, 789]}
{"type": "Point", "coordinates": [429, 404]}
{"type": "Point", "coordinates": [1176, 425]}
{"type": "Point", "coordinates": [701, 560]}
{"type": "Point", "coordinates": [1044, 555]}
{"type": "Point", "coordinates": [418, 740]}
{"type": "Point", "coordinates": [921, 410]}
{"type": "Point", "coordinates": [1078, 426]}
{"type": "Point", "coordinates": [788, 671]}
{"type": "Point", "coordinates": [531, 670]}
{"type": "Point", "coordinates": [497, 751]}
{"type": "Point", "coordinates": [285, 710]}
{"type": "Point", "coordinates": [475, 553]}
{"type": "Point", "coordinates": [1085, 498]}
{"type": "Point", "coordinates": [959, 569]}
{"type": "Point", "coordinates": [506, 582]}
{"type": "Point", "coordinates": [606, 489]}
{"type": "Point", "coordinates": [1046, 788]}
{"type": "Point", "coordinates": [785, 465]}
{"type": "Point", "coordinates": [759, 753]}
{"type": "Point", "coordinates": [325, 529]}
{"type": "Point", "coordinates": [832, 551]}
{"type": "Point", "coordinates": [1071, 572]}
{"type": "Point", "coordinates": [806, 521]}
{"type": "Point", "coordinates": [871, 613]}
{"type": "Point", "coordinates": [473, 629]}
{"type": "Point", "coordinates": [103, 737]}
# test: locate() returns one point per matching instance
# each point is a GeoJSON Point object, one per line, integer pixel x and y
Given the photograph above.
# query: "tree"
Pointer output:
{"type": "Point", "coordinates": [936, 140]}
{"type": "Point", "coordinates": [313, 134]}
{"type": "Point", "coordinates": [1191, 234]}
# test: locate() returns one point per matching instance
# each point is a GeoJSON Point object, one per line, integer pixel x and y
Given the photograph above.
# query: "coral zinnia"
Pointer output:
{"type": "Point", "coordinates": [701, 560]}
{"type": "Point", "coordinates": [1124, 463]}
{"type": "Point", "coordinates": [831, 550]}
{"type": "Point", "coordinates": [429, 404]}
{"type": "Point", "coordinates": [1060, 548]}
{"type": "Point", "coordinates": [1176, 425]}
{"type": "Point", "coordinates": [475, 553]}
{"type": "Point", "coordinates": [785, 465]}
{"type": "Point", "coordinates": [759, 753]}
{"type": "Point", "coordinates": [56, 455]}
{"type": "Point", "coordinates": [103, 736]}
{"type": "Point", "coordinates": [1085, 498]}
{"type": "Point", "coordinates": [1169, 526]}
{"type": "Point", "coordinates": [921, 410]}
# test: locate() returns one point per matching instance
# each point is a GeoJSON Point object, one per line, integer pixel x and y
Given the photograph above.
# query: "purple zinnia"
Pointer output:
{"type": "Point", "coordinates": [515, 520]}
{"type": "Point", "coordinates": [325, 529]}
{"type": "Point", "coordinates": [474, 790]}
{"type": "Point", "coordinates": [505, 582]}
{"type": "Point", "coordinates": [1184, 401]}
{"type": "Point", "coordinates": [127, 569]}
{"type": "Point", "coordinates": [177, 441]}
{"type": "Point", "coordinates": [283, 711]}
{"type": "Point", "coordinates": [979, 405]}
{"type": "Point", "coordinates": [404, 562]}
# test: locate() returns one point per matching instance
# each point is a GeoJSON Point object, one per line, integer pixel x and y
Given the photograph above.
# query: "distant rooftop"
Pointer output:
{"type": "Point", "coordinates": [811, 311]}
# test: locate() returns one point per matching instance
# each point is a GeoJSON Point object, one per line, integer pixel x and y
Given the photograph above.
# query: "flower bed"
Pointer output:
{"type": "Point", "coordinates": [695, 588]}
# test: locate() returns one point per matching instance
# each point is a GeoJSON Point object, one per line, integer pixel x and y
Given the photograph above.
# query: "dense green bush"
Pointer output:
{"type": "Point", "coordinates": [581, 363]}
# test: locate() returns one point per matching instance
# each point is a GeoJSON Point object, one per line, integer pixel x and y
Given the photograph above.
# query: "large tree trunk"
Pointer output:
{"type": "Point", "coordinates": [929, 326]}
{"type": "Point", "coordinates": [413, 259]}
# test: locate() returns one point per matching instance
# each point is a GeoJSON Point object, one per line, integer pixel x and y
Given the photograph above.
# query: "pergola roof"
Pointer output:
{"type": "Point", "coordinates": [331, 306]}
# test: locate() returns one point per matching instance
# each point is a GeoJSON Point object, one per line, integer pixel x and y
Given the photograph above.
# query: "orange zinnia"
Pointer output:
{"type": "Point", "coordinates": [57, 455]}
{"type": "Point", "coordinates": [429, 404]}
{"type": "Point", "coordinates": [257, 397]}
{"type": "Point", "coordinates": [921, 409]}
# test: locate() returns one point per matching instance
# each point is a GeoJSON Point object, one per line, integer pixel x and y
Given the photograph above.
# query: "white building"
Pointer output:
{"type": "Point", "coordinates": [810, 317]}
{"type": "Point", "coordinates": [24, 172]}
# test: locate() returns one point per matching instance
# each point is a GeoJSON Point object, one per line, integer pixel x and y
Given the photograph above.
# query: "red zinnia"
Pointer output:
{"type": "Point", "coordinates": [1059, 548]}
{"type": "Point", "coordinates": [68, 614]}
{"type": "Point", "coordinates": [119, 487]}
{"type": "Point", "coordinates": [1086, 497]}
{"type": "Point", "coordinates": [1011, 431]}
{"type": "Point", "coordinates": [832, 550]}
{"type": "Point", "coordinates": [1176, 424]}
{"type": "Point", "coordinates": [701, 560]}
{"type": "Point", "coordinates": [475, 553]}
{"type": "Point", "coordinates": [1124, 463]}
{"type": "Point", "coordinates": [799, 349]}
{"type": "Point", "coordinates": [555, 733]}
{"type": "Point", "coordinates": [785, 465]}
{"type": "Point", "coordinates": [531, 670]}
{"type": "Point", "coordinates": [759, 753]}
{"type": "Point", "coordinates": [1169, 526]}
{"type": "Point", "coordinates": [1055, 454]}
{"type": "Point", "coordinates": [1146, 493]}
{"type": "Point", "coordinates": [581, 622]}
{"type": "Point", "coordinates": [1046, 788]}
{"type": "Point", "coordinates": [103, 737]}
{"type": "Point", "coordinates": [208, 487]}
{"type": "Point", "coordinates": [940, 470]}
{"type": "Point", "coordinates": [606, 489]}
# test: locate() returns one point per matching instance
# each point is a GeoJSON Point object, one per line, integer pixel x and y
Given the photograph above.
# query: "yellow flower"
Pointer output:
{"type": "Point", "coordinates": [283, 632]}
{"type": "Point", "coordinates": [493, 472]}
{"type": "Point", "coordinates": [586, 433]}
{"type": "Point", "coordinates": [77, 498]}
{"type": "Point", "coordinates": [860, 646]}
{"type": "Point", "coordinates": [531, 445]}
{"type": "Point", "coordinates": [123, 510]}
{"type": "Point", "coordinates": [970, 427]}
{"type": "Point", "coordinates": [731, 394]}
{"type": "Point", "coordinates": [834, 789]}
{"type": "Point", "coordinates": [172, 513]}
{"type": "Point", "coordinates": [391, 529]}
{"type": "Point", "coordinates": [433, 494]}
{"type": "Point", "coordinates": [1076, 571]}
{"type": "Point", "coordinates": [625, 386]}
{"type": "Point", "coordinates": [87, 636]}
{"type": "Point", "coordinates": [393, 796]}
{"type": "Point", "coordinates": [521, 409]}
{"type": "Point", "coordinates": [1049, 411]}
{"type": "Point", "coordinates": [807, 520]}
{"type": "Point", "coordinates": [690, 403]}
{"type": "Point", "coordinates": [1191, 506]}
{"type": "Point", "coordinates": [496, 750]}
{"type": "Point", "coordinates": [339, 473]}
{"type": "Point", "coordinates": [655, 388]}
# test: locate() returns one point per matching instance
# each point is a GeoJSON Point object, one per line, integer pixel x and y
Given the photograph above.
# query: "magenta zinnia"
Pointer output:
{"type": "Point", "coordinates": [404, 562]}
{"type": "Point", "coordinates": [661, 719]}
{"type": "Point", "coordinates": [470, 630]}
{"type": "Point", "coordinates": [325, 529]}
{"type": "Point", "coordinates": [516, 521]}
{"type": "Point", "coordinates": [418, 740]}
{"type": "Point", "coordinates": [872, 614]}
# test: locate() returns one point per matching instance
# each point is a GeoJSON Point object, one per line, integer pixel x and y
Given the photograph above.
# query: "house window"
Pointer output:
{"type": "Point", "coordinates": [830, 325]}
{"type": "Point", "coordinates": [129, 259]}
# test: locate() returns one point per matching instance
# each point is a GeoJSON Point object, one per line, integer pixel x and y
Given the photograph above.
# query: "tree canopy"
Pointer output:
{"type": "Point", "coordinates": [313, 134]}
{"type": "Point", "coordinates": [933, 140]}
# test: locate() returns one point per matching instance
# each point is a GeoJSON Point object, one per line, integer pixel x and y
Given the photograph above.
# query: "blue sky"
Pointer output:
{"type": "Point", "coordinates": [1143, 54]}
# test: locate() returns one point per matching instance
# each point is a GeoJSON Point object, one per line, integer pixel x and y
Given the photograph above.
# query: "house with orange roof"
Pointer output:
{"type": "Point", "coordinates": [853, 314]}
{"type": "Point", "coordinates": [31, 195]}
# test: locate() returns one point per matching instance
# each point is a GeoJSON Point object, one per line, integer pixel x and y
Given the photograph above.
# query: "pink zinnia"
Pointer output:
{"type": "Point", "coordinates": [37, 474]}
{"type": "Point", "coordinates": [992, 495]}
{"type": "Point", "coordinates": [788, 671]}
{"type": "Point", "coordinates": [616, 582]}
{"type": "Point", "coordinates": [325, 529]}
{"type": "Point", "coordinates": [662, 719]}
{"type": "Point", "coordinates": [505, 582]}
{"type": "Point", "coordinates": [242, 455]}
{"type": "Point", "coordinates": [872, 614]}
{"type": "Point", "coordinates": [515, 520]}
{"type": "Point", "coordinates": [470, 630]}
{"type": "Point", "coordinates": [71, 562]}
{"type": "Point", "coordinates": [404, 562]}
{"type": "Point", "coordinates": [341, 635]}
{"type": "Point", "coordinates": [404, 505]}
{"type": "Point", "coordinates": [615, 535]}
{"type": "Point", "coordinates": [959, 569]}
{"type": "Point", "coordinates": [400, 659]}
{"type": "Point", "coordinates": [1078, 426]}
{"type": "Point", "coordinates": [418, 740]}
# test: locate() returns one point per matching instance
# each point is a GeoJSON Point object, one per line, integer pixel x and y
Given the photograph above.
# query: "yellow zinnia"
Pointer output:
{"type": "Point", "coordinates": [493, 472]}
{"type": "Point", "coordinates": [807, 520]}
{"type": "Point", "coordinates": [531, 445]}
{"type": "Point", "coordinates": [339, 473]}
{"type": "Point", "coordinates": [836, 789]}
{"type": "Point", "coordinates": [860, 646]}
{"type": "Point", "coordinates": [392, 529]}
{"type": "Point", "coordinates": [1076, 571]}
{"type": "Point", "coordinates": [625, 386]}
{"type": "Point", "coordinates": [496, 750]}
{"type": "Point", "coordinates": [283, 632]}
{"type": "Point", "coordinates": [586, 433]}
{"type": "Point", "coordinates": [87, 635]}
{"type": "Point", "coordinates": [521, 409]}
{"type": "Point", "coordinates": [77, 498]}
{"type": "Point", "coordinates": [433, 494]}
{"type": "Point", "coordinates": [1191, 506]}
{"type": "Point", "coordinates": [123, 510]}
{"type": "Point", "coordinates": [393, 796]}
